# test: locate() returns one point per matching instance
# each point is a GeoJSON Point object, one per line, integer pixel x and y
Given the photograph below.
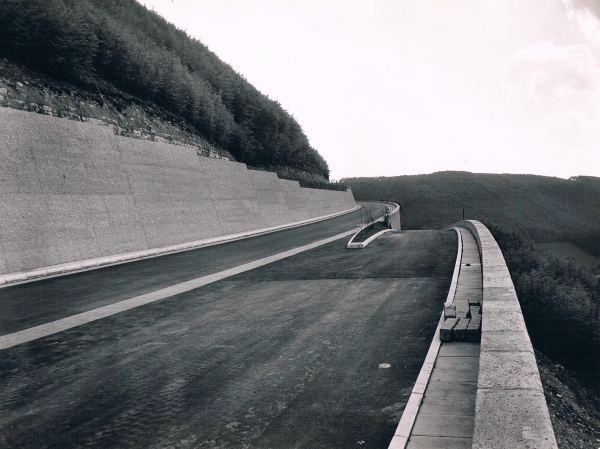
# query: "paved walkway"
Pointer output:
{"type": "Point", "coordinates": [446, 416]}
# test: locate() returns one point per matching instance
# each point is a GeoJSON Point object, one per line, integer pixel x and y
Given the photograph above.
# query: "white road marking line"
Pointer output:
{"type": "Point", "coordinates": [44, 330]}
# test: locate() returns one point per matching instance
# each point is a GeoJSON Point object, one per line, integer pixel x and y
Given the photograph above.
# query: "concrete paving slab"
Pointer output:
{"type": "Point", "coordinates": [422, 442]}
{"type": "Point", "coordinates": [472, 282]}
{"type": "Point", "coordinates": [433, 405]}
{"type": "Point", "coordinates": [470, 253]}
{"type": "Point", "coordinates": [451, 388]}
{"type": "Point", "coordinates": [459, 349]}
{"type": "Point", "coordinates": [444, 426]}
{"type": "Point", "coordinates": [468, 289]}
{"type": "Point", "coordinates": [471, 297]}
{"type": "Point", "coordinates": [464, 375]}
{"type": "Point", "coordinates": [457, 363]}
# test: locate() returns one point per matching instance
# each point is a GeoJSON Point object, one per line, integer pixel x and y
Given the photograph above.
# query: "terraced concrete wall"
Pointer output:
{"type": "Point", "coordinates": [71, 191]}
{"type": "Point", "coordinates": [511, 410]}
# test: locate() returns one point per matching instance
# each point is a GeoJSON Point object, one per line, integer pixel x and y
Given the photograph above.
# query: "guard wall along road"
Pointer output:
{"type": "Point", "coordinates": [72, 191]}
{"type": "Point", "coordinates": [511, 410]}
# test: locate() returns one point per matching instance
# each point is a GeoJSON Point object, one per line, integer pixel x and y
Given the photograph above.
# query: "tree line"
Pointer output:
{"type": "Point", "coordinates": [545, 208]}
{"type": "Point", "coordinates": [121, 43]}
{"type": "Point", "coordinates": [560, 303]}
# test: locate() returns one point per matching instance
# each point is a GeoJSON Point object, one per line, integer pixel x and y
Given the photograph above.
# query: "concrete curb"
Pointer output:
{"type": "Point", "coordinates": [392, 208]}
{"type": "Point", "coordinates": [511, 410]}
{"type": "Point", "coordinates": [407, 421]}
{"type": "Point", "coordinates": [358, 245]}
{"type": "Point", "coordinates": [105, 261]}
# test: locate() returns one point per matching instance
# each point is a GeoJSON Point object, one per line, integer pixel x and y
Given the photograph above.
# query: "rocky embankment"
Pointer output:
{"type": "Point", "coordinates": [25, 90]}
{"type": "Point", "coordinates": [574, 410]}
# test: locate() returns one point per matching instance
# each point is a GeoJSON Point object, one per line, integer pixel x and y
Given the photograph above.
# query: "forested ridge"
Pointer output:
{"type": "Point", "coordinates": [545, 208]}
{"type": "Point", "coordinates": [100, 44]}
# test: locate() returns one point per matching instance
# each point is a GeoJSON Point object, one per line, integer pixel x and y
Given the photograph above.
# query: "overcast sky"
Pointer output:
{"type": "Point", "coordinates": [385, 88]}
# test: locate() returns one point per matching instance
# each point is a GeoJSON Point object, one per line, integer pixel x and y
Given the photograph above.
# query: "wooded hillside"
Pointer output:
{"type": "Point", "coordinates": [546, 208]}
{"type": "Point", "coordinates": [119, 44]}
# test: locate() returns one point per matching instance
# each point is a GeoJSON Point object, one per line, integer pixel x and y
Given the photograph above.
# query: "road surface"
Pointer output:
{"type": "Point", "coordinates": [287, 355]}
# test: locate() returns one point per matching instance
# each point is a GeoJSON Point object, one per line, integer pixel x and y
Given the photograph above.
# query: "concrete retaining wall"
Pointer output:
{"type": "Point", "coordinates": [71, 191]}
{"type": "Point", "coordinates": [511, 410]}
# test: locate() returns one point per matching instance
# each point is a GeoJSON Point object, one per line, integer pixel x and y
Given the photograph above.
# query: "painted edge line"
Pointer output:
{"type": "Point", "coordinates": [409, 416]}
{"type": "Point", "coordinates": [10, 279]}
{"type": "Point", "coordinates": [54, 327]}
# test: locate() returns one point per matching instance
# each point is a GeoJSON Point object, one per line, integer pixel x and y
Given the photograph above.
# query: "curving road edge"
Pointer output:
{"type": "Point", "coordinates": [511, 410]}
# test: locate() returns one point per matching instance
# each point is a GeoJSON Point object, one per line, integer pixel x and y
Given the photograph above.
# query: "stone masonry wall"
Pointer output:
{"type": "Point", "coordinates": [71, 191]}
{"type": "Point", "coordinates": [511, 410]}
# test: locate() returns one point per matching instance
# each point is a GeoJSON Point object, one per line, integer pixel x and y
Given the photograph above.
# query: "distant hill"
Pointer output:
{"type": "Point", "coordinates": [127, 54]}
{"type": "Point", "coordinates": [548, 209]}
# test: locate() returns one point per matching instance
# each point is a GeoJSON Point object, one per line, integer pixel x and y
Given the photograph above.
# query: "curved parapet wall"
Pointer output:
{"type": "Point", "coordinates": [72, 191]}
{"type": "Point", "coordinates": [394, 220]}
{"type": "Point", "coordinates": [511, 410]}
{"type": "Point", "coordinates": [391, 217]}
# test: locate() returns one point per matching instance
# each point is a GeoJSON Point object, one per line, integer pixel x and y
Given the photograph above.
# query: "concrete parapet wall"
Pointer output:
{"type": "Point", "coordinates": [71, 191]}
{"type": "Point", "coordinates": [395, 219]}
{"type": "Point", "coordinates": [511, 410]}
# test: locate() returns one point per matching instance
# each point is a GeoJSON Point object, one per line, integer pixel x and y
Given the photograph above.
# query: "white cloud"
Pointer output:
{"type": "Point", "coordinates": [546, 71]}
{"type": "Point", "coordinates": [585, 20]}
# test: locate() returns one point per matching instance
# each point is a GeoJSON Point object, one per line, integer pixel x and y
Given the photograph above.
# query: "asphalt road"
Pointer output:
{"type": "Point", "coordinates": [282, 356]}
{"type": "Point", "coordinates": [26, 305]}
